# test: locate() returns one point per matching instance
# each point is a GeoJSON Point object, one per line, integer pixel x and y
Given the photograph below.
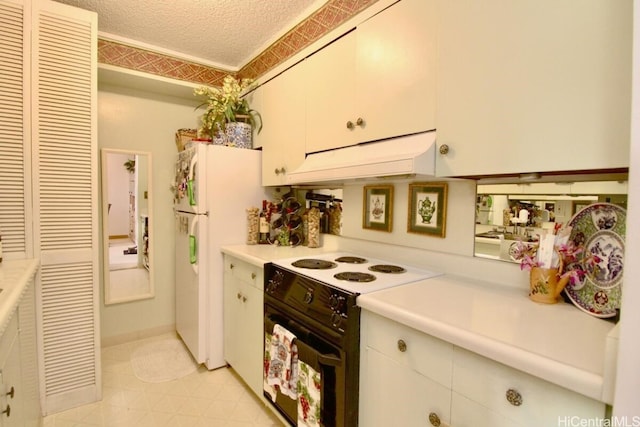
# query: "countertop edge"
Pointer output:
{"type": "Point", "coordinates": [13, 292]}
{"type": "Point", "coordinates": [561, 374]}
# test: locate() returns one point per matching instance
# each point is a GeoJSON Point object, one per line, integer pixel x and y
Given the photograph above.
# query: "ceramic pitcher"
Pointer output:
{"type": "Point", "coordinates": [546, 285]}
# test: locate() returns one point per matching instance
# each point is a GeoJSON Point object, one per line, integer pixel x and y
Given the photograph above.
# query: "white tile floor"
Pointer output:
{"type": "Point", "coordinates": [204, 398]}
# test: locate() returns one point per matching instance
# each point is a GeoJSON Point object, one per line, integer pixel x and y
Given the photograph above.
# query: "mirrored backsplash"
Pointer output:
{"type": "Point", "coordinates": [507, 213]}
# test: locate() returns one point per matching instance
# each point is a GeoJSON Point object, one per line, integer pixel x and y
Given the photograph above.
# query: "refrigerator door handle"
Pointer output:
{"type": "Point", "coordinates": [193, 245]}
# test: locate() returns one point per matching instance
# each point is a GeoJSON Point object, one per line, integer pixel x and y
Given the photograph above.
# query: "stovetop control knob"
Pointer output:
{"type": "Point", "coordinates": [308, 296]}
{"type": "Point", "coordinates": [336, 302]}
{"type": "Point", "coordinates": [336, 319]}
{"type": "Point", "coordinates": [274, 282]}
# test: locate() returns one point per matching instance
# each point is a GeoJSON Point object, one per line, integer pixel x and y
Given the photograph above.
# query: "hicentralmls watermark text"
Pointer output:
{"type": "Point", "coordinates": [575, 421]}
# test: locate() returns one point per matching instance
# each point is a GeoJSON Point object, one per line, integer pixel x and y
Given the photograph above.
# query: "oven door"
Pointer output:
{"type": "Point", "coordinates": [320, 372]}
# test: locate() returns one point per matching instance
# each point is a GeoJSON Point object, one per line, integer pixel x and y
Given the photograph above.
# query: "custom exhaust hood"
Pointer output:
{"type": "Point", "coordinates": [407, 155]}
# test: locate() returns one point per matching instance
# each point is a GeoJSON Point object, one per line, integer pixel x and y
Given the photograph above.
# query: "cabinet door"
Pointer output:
{"type": "Point", "coordinates": [467, 413]}
{"type": "Point", "coordinates": [533, 86]}
{"type": "Point", "coordinates": [243, 313]}
{"type": "Point", "coordinates": [11, 389]}
{"type": "Point", "coordinates": [331, 96]}
{"type": "Point", "coordinates": [283, 132]}
{"type": "Point", "coordinates": [395, 71]}
{"type": "Point", "coordinates": [393, 395]}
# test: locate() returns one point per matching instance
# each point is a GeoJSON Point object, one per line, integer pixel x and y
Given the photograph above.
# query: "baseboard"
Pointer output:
{"type": "Point", "coordinates": [137, 335]}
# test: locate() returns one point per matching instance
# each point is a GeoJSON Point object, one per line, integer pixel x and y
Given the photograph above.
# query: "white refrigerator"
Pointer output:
{"type": "Point", "coordinates": [214, 185]}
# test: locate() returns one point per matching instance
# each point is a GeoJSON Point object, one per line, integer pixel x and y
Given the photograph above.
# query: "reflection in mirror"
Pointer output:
{"type": "Point", "coordinates": [127, 225]}
{"type": "Point", "coordinates": [507, 213]}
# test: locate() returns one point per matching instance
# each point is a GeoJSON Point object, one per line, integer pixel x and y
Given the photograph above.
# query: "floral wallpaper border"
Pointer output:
{"type": "Point", "coordinates": [325, 19]}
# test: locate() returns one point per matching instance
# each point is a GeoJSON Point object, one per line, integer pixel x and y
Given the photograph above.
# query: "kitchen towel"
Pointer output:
{"type": "Point", "coordinates": [309, 387]}
{"type": "Point", "coordinates": [283, 362]}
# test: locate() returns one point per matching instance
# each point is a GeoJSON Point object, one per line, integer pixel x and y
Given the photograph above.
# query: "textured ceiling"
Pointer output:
{"type": "Point", "coordinates": [225, 33]}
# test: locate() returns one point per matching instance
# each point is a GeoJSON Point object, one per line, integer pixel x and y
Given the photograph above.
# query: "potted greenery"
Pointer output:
{"type": "Point", "coordinates": [228, 118]}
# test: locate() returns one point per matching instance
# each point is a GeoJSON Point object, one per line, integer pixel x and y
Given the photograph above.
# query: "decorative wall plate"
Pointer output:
{"type": "Point", "coordinates": [600, 228]}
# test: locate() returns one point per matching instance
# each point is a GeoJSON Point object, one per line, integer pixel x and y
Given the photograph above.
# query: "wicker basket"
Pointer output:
{"type": "Point", "coordinates": [183, 136]}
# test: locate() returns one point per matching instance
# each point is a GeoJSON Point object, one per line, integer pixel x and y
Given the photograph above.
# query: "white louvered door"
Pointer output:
{"type": "Point", "coordinates": [15, 153]}
{"type": "Point", "coordinates": [64, 128]}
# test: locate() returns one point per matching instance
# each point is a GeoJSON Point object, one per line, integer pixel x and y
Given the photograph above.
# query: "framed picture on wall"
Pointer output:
{"type": "Point", "coordinates": [377, 207]}
{"type": "Point", "coordinates": [428, 208]}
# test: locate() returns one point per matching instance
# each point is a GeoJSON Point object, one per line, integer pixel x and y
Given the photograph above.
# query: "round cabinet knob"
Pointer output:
{"type": "Point", "coordinates": [279, 171]}
{"type": "Point", "coordinates": [402, 346]}
{"type": "Point", "coordinates": [244, 299]}
{"type": "Point", "coordinates": [444, 149]}
{"type": "Point", "coordinates": [360, 122]}
{"type": "Point", "coordinates": [434, 419]}
{"type": "Point", "coordinates": [514, 397]}
{"type": "Point", "coordinates": [231, 266]}
{"type": "Point", "coordinates": [239, 295]}
{"type": "Point", "coordinates": [7, 411]}
{"type": "Point", "coordinates": [350, 125]}
{"type": "Point", "coordinates": [253, 276]}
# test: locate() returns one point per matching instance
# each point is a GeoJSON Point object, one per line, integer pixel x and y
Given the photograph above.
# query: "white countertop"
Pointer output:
{"type": "Point", "coordinates": [14, 277]}
{"type": "Point", "coordinates": [557, 342]}
{"type": "Point", "coordinates": [261, 254]}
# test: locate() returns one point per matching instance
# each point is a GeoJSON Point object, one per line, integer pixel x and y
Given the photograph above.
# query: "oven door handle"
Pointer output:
{"type": "Point", "coordinates": [302, 335]}
{"type": "Point", "coordinates": [329, 360]}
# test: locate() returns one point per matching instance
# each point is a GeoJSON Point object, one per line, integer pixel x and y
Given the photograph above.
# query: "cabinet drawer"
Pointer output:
{"type": "Point", "coordinates": [427, 355]}
{"type": "Point", "coordinates": [241, 270]}
{"type": "Point", "coordinates": [500, 388]}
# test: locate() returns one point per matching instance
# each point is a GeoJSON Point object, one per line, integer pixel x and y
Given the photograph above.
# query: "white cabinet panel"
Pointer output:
{"type": "Point", "coordinates": [537, 402]}
{"type": "Point", "coordinates": [283, 132]}
{"type": "Point", "coordinates": [379, 77]}
{"type": "Point", "coordinates": [243, 320]}
{"type": "Point", "coordinates": [533, 86]}
{"type": "Point", "coordinates": [395, 395]}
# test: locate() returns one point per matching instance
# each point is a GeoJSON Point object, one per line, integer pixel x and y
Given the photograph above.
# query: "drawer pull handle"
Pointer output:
{"type": "Point", "coordinates": [253, 276]}
{"type": "Point", "coordinates": [402, 346]}
{"type": "Point", "coordinates": [12, 392]}
{"type": "Point", "coordinates": [7, 411]}
{"type": "Point", "coordinates": [514, 397]}
{"type": "Point", "coordinates": [434, 419]}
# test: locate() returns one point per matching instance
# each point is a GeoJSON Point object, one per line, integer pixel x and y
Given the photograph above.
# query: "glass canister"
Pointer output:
{"type": "Point", "coordinates": [253, 225]}
{"type": "Point", "coordinates": [313, 220]}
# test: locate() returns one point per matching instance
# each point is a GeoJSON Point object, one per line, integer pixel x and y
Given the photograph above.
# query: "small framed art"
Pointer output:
{"type": "Point", "coordinates": [427, 208]}
{"type": "Point", "coordinates": [377, 207]}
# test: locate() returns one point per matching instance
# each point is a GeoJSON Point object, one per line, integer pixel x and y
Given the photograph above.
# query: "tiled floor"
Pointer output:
{"type": "Point", "coordinates": [204, 398]}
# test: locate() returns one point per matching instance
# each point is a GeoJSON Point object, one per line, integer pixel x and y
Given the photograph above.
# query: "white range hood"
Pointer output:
{"type": "Point", "coordinates": [407, 155]}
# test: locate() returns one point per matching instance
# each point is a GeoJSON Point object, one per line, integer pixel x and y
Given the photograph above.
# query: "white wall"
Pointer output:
{"type": "Point", "coordinates": [142, 121]}
{"type": "Point", "coordinates": [628, 375]}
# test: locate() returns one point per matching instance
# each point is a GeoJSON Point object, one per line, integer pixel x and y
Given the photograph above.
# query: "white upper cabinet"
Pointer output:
{"type": "Point", "coordinates": [533, 85]}
{"type": "Point", "coordinates": [375, 82]}
{"type": "Point", "coordinates": [283, 134]}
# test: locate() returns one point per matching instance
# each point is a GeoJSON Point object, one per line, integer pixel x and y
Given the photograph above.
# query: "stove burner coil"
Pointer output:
{"type": "Point", "coordinates": [351, 260]}
{"type": "Point", "coordinates": [314, 264]}
{"type": "Point", "coordinates": [386, 268]}
{"type": "Point", "coordinates": [351, 276]}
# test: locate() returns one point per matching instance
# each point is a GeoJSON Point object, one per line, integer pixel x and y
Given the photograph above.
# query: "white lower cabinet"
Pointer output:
{"type": "Point", "coordinates": [10, 377]}
{"type": "Point", "coordinates": [243, 337]}
{"type": "Point", "coordinates": [410, 378]}
{"type": "Point", "coordinates": [510, 397]}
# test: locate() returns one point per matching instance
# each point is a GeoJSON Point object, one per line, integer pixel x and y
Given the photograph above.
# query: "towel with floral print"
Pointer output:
{"type": "Point", "coordinates": [283, 365]}
{"type": "Point", "coordinates": [308, 396]}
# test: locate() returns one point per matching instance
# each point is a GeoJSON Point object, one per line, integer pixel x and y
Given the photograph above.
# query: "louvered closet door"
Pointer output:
{"type": "Point", "coordinates": [65, 202]}
{"type": "Point", "coordinates": [15, 153]}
